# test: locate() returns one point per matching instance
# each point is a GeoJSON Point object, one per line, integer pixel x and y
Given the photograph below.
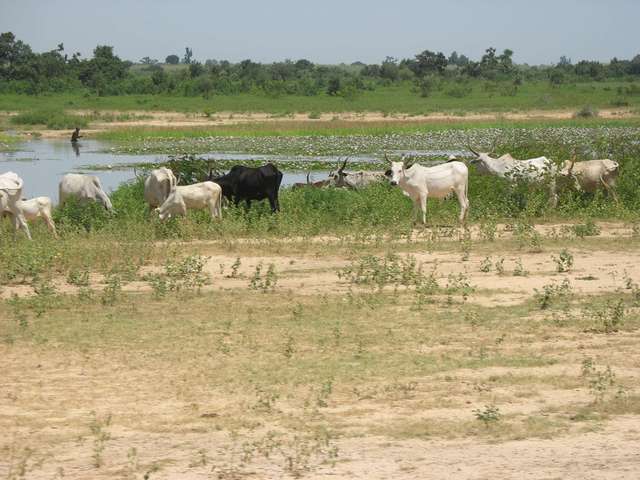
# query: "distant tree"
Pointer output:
{"type": "Point", "coordinates": [389, 69]}
{"type": "Point", "coordinates": [458, 59]}
{"type": "Point", "coordinates": [634, 65]}
{"type": "Point", "coordinates": [505, 60]}
{"type": "Point", "coordinates": [15, 57]}
{"type": "Point", "coordinates": [489, 61]}
{"type": "Point", "coordinates": [188, 56]}
{"type": "Point", "coordinates": [588, 68]}
{"type": "Point", "coordinates": [159, 77]}
{"type": "Point", "coordinates": [172, 59]}
{"type": "Point", "coordinates": [148, 61]}
{"type": "Point", "coordinates": [334, 85]}
{"type": "Point", "coordinates": [103, 70]}
{"type": "Point", "coordinates": [564, 61]}
{"type": "Point", "coordinates": [556, 77]}
{"type": "Point", "coordinates": [304, 64]}
{"type": "Point", "coordinates": [195, 69]}
{"type": "Point", "coordinates": [463, 60]}
{"type": "Point", "coordinates": [618, 68]}
{"type": "Point", "coordinates": [429, 62]}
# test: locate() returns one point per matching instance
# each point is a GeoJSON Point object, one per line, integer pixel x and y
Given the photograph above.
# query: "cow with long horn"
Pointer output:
{"type": "Point", "coordinates": [539, 169]}
{"type": "Point", "coordinates": [418, 183]}
{"type": "Point", "coordinates": [354, 180]}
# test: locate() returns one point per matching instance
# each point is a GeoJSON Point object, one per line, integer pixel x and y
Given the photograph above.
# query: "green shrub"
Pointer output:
{"type": "Point", "coordinates": [54, 120]}
{"type": "Point", "coordinates": [586, 112]}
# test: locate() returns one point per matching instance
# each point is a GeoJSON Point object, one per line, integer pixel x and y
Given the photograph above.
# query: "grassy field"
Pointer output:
{"type": "Point", "coordinates": [334, 339]}
{"type": "Point", "coordinates": [484, 97]}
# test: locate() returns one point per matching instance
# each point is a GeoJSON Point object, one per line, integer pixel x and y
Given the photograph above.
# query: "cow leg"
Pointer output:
{"type": "Point", "coordinates": [464, 205]}
{"type": "Point", "coordinates": [20, 222]}
{"type": "Point", "coordinates": [50, 225]}
{"type": "Point", "coordinates": [610, 191]}
{"type": "Point", "coordinates": [273, 201]}
{"type": "Point", "coordinates": [554, 195]}
{"type": "Point", "coordinates": [414, 209]}
{"type": "Point", "coordinates": [423, 207]}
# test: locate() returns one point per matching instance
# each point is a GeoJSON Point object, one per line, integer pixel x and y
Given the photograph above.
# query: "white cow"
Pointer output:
{"type": "Point", "coordinates": [197, 196]}
{"type": "Point", "coordinates": [590, 175]}
{"type": "Point", "coordinates": [158, 186]}
{"type": "Point", "coordinates": [10, 197]}
{"type": "Point", "coordinates": [419, 182]}
{"type": "Point", "coordinates": [34, 208]}
{"type": "Point", "coordinates": [534, 169]}
{"type": "Point", "coordinates": [84, 188]}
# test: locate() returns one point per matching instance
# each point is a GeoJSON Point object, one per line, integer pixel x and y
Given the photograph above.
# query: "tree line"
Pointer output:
{"type": "Point", "coordinates": [26, 72]}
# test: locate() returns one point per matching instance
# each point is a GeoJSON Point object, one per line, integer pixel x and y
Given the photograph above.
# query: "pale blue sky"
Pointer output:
{"type": "Point", "coordinates": [330, 31]}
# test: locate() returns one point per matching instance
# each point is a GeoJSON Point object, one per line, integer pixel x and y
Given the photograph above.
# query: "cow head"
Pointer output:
{"type": "Point", "coordinates": [338, 178]}
{"type": "Point", "coordinates": [173, 206]}
{"type": "Point", "coordinates": [480, 160]}
{"type": "Point", "coordinates": [397, 170]}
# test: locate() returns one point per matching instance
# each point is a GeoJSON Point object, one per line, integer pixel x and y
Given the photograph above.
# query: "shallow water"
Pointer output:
{"type": "Point", "coordinates": [43, 162]}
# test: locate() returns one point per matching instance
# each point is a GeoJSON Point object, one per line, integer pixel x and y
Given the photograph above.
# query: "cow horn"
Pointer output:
{"type": "Point", "coordinates": [407, 161]}
{"type": "Point", "coordinates": [387, 158]}
{"type": "Point", "coordinates": [473, 151]}
{"type": "Point", "coordinates": [344, 164]}
{"type": "Point", "coordinates": [572, 163]}
{"type": "Point", "coordinates": [308, 173]}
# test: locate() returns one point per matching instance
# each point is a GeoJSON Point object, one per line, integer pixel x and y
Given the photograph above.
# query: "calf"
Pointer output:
{"type": "Point", "coordinates": [38, 207]}
{"type": "Point", "coordinates": [195, 197]}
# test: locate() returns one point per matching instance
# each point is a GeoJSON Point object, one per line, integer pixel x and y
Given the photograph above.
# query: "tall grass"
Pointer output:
{"type": "Point", "coordinates": [54, 120]}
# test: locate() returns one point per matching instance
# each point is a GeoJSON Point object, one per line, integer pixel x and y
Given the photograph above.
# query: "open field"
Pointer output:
{"type": "Point", "coordinates": [334, 339]}
{"type": "Point", "coordinates": [392, 99]}
{"type": "Point", "coordinates": [452, 353]}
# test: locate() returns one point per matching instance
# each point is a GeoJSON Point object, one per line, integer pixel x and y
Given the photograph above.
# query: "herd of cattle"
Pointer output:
{"type": "Point", "coordinates": [163, 193]}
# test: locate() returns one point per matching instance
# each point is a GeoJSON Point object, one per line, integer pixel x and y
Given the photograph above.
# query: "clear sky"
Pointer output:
{"type": "Point", "coordinates": [330, 31]}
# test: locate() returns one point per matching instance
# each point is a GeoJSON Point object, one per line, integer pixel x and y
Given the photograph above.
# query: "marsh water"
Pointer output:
{"type": "Point", "coordinates": [43, 162]}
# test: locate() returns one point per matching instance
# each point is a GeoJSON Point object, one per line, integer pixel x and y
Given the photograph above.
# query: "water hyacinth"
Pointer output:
{"type": "Point", "coordinates": [589, 140]}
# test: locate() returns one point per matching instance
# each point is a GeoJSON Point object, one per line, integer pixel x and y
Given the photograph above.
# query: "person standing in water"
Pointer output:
{"type": "Point", "coordinates": [75, 135]}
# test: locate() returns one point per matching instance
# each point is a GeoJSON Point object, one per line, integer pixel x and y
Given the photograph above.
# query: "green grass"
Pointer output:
{"type": "Point", "coordinates": [392, 99]}
{"type": "Point", "coordinates": [54, 120]}
{"type": "Point", "coordinates": [7, 142]}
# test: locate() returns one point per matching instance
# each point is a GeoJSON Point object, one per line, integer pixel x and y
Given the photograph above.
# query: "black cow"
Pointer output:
{"type": "Point", "coordinates": [247, 183]}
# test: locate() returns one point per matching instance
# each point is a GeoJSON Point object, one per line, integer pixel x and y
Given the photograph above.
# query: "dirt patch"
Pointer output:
{"type": "Point", "coordinates": [196, 120]}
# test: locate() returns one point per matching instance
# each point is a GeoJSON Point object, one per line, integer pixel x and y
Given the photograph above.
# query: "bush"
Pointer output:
{"type": "Point", "coordinates": [459, 91]}
{"type": "Point", "coordinates": [53, 120]}
{"type": "Point", "coordinates": [77, 216]}
{"type": "Point", "coordinates": [586, 112]}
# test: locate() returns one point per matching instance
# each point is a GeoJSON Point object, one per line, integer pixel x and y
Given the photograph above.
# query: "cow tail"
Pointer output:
{"type": "Point", "coordinates": [466, 189]}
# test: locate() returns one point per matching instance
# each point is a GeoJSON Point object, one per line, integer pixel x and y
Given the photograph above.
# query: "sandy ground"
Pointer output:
{"type": "Point", "coordinates": [195, 120]}
{"type": "Point", "coordinates": [594, 271]}
{"type": "Point", "coordinates": [47, 394]}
